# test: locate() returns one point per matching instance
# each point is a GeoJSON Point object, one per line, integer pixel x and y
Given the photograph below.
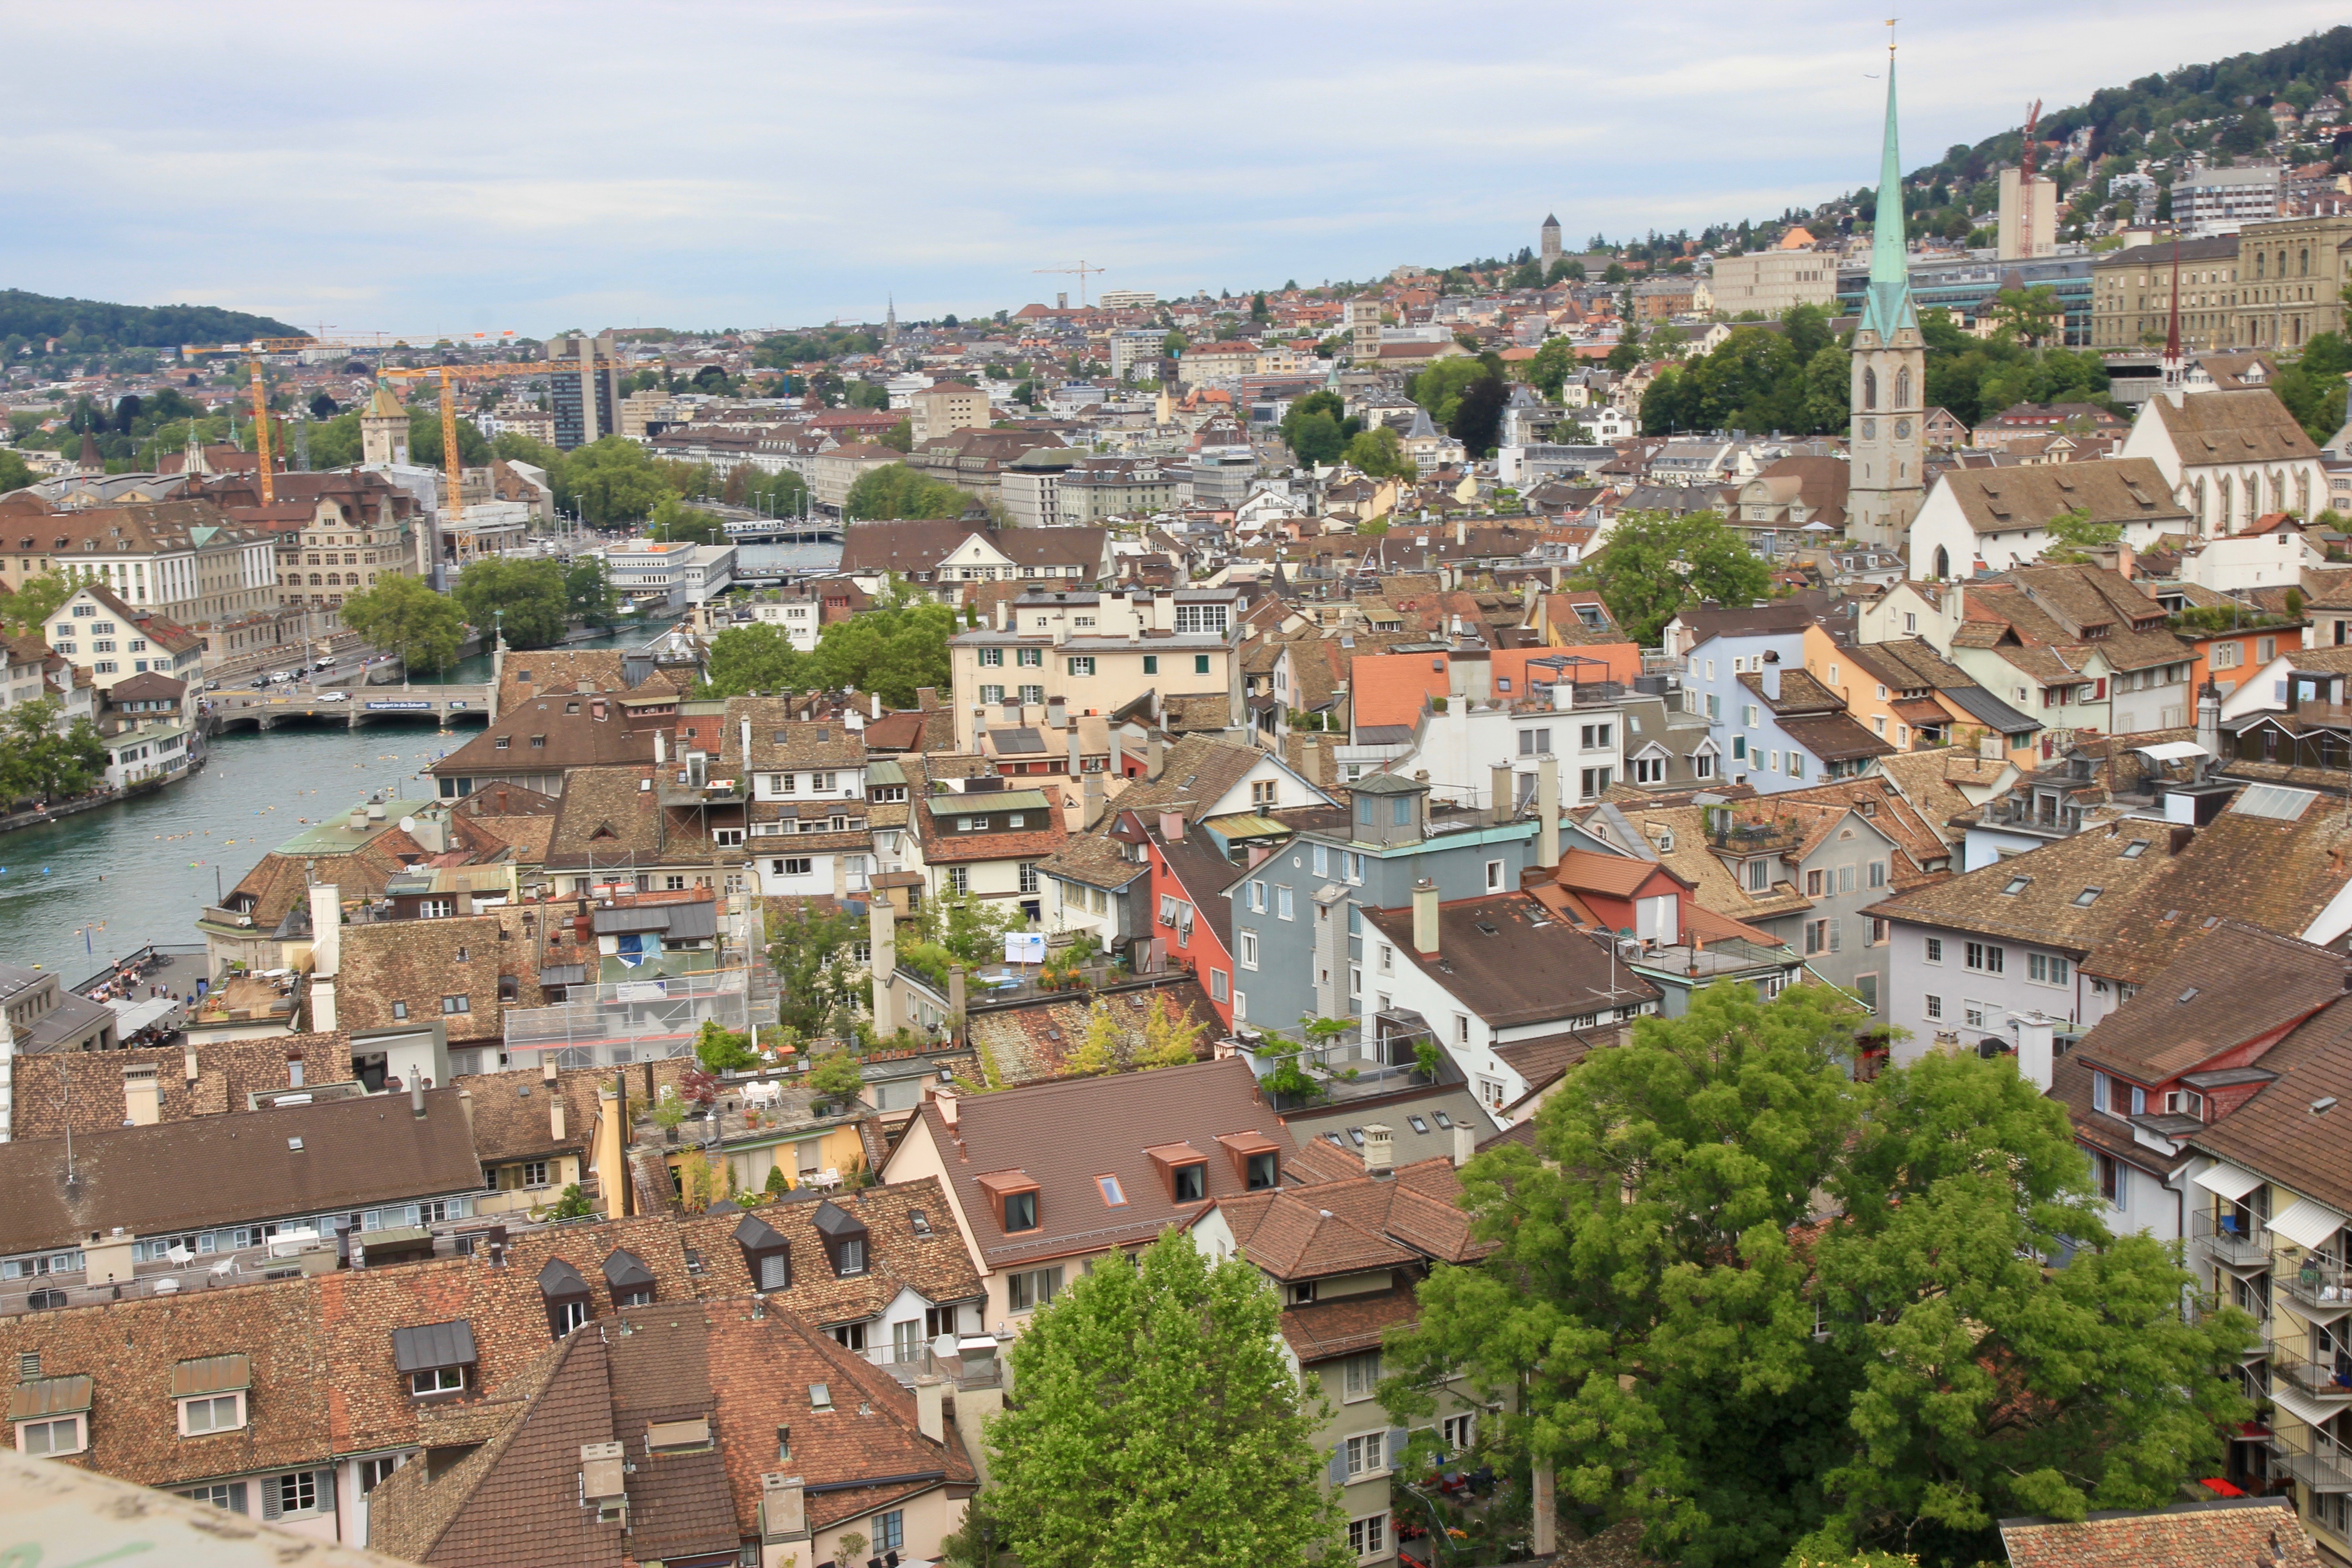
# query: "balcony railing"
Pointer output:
{"type": "Point", "coordinates": [2312, 1457]}
{"type": "Point", "coordinates": [2320, 1379]}
{"type": "Point", "coordinates": [968, 1371]}
{"type": "Point", "coordinates": [2231, 1242]}
{"type": "Point", "coordinates": [2322, 1293]}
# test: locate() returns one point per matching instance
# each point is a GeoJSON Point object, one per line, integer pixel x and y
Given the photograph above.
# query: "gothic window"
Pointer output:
{"type": "Point", "coordinates": [1903, 391]}
{"type": "Point", "coordinates": [1869, 388]}
{"type": "Point", "coordinates": [1943, 562]}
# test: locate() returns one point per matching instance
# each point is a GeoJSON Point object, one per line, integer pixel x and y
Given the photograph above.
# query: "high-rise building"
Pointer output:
{"type": "Point", "coordinates": [1890, 371]}
{"type": "Point", "coordinates": [1550, 242]}
{"type": "Point", "coordinates": [2014, 243]}
{"type": "Point", "coordinates": [584, 395]}
{"type": "Point", "coordinates": [2223, 201]}
{"type": "Point", "coordinates": [1364, 327]}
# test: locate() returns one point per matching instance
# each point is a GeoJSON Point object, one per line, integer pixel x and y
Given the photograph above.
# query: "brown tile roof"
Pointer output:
{"type": "Point", "coordinates": [545, 672]}
{"type": "Point", "coordinates": [1346, 1324]}
{"type": "Point", "coordinates": [2277, 1134]}
{"type": "Point", "coordinates": [1511, 962]}
{"type": "Point", "coordinates": [2275, 875]}
{"type": "Point", "coordinates": [2231, 1532]}
{"type": "Point", "coordinates": [420, 963]}
{"type": "Point", "coordinates": [2234, 428]}
{"type": "Point", "coordinates": [1064, 1133]}
{"type": "Point", "coordinates": [352, 1154]}
{"type": "Point", "coordinates": [538, 737]}
{"type": "Point", "coordinates": [2045, 910]}
{"type": "Point", "coordinates": [85, 1088]}
{"type": "Point", "coordinates": [2114, 491]}
{"type": "Point", "coordinates": [2230, 984]}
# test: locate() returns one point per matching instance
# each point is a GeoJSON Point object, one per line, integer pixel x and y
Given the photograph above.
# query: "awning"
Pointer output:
{"type": "Point", "coordinates": [2309, 1225]}
{"type": "Point", "coordinates": [2227, 1181]}
{"type": "Point", "coordinates": [2172, 751]}
{"type": "Point", "coordinates": [2302, 1406]}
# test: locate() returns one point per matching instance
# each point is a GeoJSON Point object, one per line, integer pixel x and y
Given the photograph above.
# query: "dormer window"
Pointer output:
{"type": "Point", "coordinates": [51, 1415]}
{"type": "Point", "coordinates": [1014, 1195]}
{"type": "Point", "coordinates": [628, 1278]}
{"type": "Point", "coordinates": [1258, 1160]}
{"type": "Point", "coordinates": [211, 1393]}
{"type": "Point", "coordinates": [565, 1294]}
{"type": "Point", "coordinates": [435, 1358]}
{"type": "Point", "coordinates": [844, 1236]}
{"type": "Point", "coordinates": [767, 1255]}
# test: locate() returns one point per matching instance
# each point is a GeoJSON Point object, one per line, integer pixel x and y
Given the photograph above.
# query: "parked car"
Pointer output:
{"type": "Point", "coordinates": [334, 697]}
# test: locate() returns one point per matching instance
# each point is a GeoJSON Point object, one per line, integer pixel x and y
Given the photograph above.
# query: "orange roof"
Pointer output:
{"type": "Point", "coordinates": [1612, 876]}
{"type": "Point", "coordinates": [1388, 687]}
{"type": "Point", "coordinates": [1624, 659]}
{"type": "Point", "coordinates": [1514, 356]}
{"type": "Point", "coordinates": [1796, 239]}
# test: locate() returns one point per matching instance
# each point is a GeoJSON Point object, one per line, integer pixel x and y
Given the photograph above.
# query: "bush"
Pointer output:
{"type": "Point", "coordinates": [838, 1077]}
{"type": "Point", "coordinates": [572, 1205]}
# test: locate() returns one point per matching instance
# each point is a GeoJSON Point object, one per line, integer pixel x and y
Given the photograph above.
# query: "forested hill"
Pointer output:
{"type": "Point", "coordinates": [94, 323]}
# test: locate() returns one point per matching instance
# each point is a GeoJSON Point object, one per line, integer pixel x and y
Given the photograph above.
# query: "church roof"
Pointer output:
{"type": "Point", "coordinates": [1886, 306]}
{"type": "Point", "coordinates": [383, 405]}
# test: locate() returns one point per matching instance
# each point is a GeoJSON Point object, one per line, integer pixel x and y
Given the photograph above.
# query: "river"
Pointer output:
{"type": "Point", "coordinates": [81, 891]}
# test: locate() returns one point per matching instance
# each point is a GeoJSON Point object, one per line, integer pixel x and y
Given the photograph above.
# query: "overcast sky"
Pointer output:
{"type": "Point", "coordinates": [501, 164]}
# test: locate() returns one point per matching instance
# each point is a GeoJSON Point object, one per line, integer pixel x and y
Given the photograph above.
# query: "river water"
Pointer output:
{"type": "Point", "coordinates": [81, 891]}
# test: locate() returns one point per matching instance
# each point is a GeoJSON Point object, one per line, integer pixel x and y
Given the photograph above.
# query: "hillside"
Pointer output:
{"type": "Point", "coordinates": [86, 325]}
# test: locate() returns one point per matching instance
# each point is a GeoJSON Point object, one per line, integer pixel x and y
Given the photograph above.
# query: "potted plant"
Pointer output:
{"type": "Point", "coordinates": [1424, 1058]}
{"type": "Point", "coordinates": [669, 1114]}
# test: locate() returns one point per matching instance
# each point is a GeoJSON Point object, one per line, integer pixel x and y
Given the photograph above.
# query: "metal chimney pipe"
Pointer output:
{"type": "Point", "coordinates": [1548, 812]}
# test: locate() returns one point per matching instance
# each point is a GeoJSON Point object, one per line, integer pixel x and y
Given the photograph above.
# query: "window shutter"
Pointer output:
{"type": "Point", "coordinates": [1395, 1452]}
{"type": "Point", "coordinates": [327, 1491]}
{"type": "Point", "coordinates": [1837, 932]}
{"type": "Point", "coordinates": [269, 1498]}
{"type": "Point", "coordinates": [1338, 1468]}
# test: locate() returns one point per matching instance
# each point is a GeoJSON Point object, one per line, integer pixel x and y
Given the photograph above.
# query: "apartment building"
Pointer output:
{"type": "Point", "coordinates": [1098, 652]}
{"type": "Point", "coordinates": [2223, 201]}
{"type": "Point", "coordinates": [114, 641]}
{"type": "Point", "coordinates": [185, 560]}
{"type": "Point", "coordinates": [1772, 281]}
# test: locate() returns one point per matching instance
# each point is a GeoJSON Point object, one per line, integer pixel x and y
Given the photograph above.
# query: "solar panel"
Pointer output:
{"type": "Point", "coordinates": [2274, 801]}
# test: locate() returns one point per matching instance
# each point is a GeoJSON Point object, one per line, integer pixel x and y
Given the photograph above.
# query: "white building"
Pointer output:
{"type": "Point", "coordinates": [2223, 201]}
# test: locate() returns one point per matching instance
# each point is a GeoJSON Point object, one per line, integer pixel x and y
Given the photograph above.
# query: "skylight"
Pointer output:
{"type": "Point", "coordinates": [1112, 1194]}
{"type": "Point", "coordinates": [2087, 897]}
{"type": "Point", "coordinates": [2274, 801]}
{"type": "Point", "coordinates": [2189, 994]}
{"type": "Point", "coordinates": [2017, 885]}
{"type": "Point", "coordinates": [2136, 849]}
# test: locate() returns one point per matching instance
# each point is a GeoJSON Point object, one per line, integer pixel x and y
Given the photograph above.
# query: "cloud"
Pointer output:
{"type": "Point", "coordinates": [427, 167]}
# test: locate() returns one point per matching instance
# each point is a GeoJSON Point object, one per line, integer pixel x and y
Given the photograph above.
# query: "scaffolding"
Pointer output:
{"type": "Point", "coordinates": [621, 1021]}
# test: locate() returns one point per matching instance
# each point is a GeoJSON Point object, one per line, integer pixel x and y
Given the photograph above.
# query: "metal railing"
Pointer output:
{"type": "Point", "coordinates": [2310, 1456]}
{"type": "Point", "coordinates": [2320, 1379]}
{"type": "Point", "coordinates": [2230, 1242]}
{"type": "Point", "coordinates": [967, 1371]}
{"type": "Point", "coordinates": [2326, 1291]}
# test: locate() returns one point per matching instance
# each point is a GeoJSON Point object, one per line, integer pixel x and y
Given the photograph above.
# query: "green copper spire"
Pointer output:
{"type": "Point", "coordinates": [1888, 307]}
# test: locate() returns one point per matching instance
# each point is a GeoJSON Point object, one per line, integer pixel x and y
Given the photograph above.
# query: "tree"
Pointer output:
{"type": "Point", "coordinates": [1479, 415]}
{"type": "Point", "coordinates": [722, 1049]}
{"type": "Point", "coordinates": [1159, 1422]}
{"type": "Point", "coordinates": [755, 658]}
{"type": "Point", "coordinates": [2311, 385]}
{"type": "Point", "coordinates": [527, 600]}
{"type": "Point", "coordinates": [612, 480]}
{"type": "Point", "coordinates": [40, 758]}
{"type": "Point", "coordinates": [1439, 388]}
{"type": "Point", "coordinates": [2028, 316]}
{"type": "Point", "coordinates": [896, 490]}
{"type": "Point", "coordinates": [1625, 355]}
{"type": "Point", "coordinates": [1101, 1045]}
{"type": "Point", "coordinates": [37, 599]}
{"type": "Point", "coordinates": [809, 949]}
{"type": "Point", "coordinates": [403, 616]}
{"type": "Point", "coordinates": [1654, 563]}
{"type": "Point", "coordinates": [1550, 370]}
{"type": "Point", "coordinates": [900, 437]}
{"type": "Point", "coordinates": [2073, 536]}
{"type": "Point", "coordinates": [970, 930]}
{"type": "Point", "coordinates": [837, 1077]}
{"type": "Point", "coordinates": [1660, 1275]}
{"type": "Point", "coordinates": [1316, 440]}
{"type": "Point", "coordinates": [1380, 453]}
{"type": "Point", "coordinates": [588, 595]}
{"type": "Point", "coordinates": [894, 649]}
{"type": "Point", "coordinates": [1170, 1034]}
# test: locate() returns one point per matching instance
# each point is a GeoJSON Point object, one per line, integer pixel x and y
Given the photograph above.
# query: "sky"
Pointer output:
{"type": "Point", "coordinates": [510, 166]}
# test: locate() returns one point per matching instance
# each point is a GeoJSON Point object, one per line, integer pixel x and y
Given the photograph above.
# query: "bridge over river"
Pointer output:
{"type": "Point", "coordinates": [268, 709]}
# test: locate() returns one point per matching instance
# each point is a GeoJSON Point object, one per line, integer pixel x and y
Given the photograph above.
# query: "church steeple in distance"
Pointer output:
{"type": "Point", "coordinates": [1886, 441]}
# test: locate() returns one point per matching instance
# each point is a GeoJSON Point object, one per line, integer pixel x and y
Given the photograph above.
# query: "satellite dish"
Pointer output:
{"type": "Point", "coordinates": [409, 824]}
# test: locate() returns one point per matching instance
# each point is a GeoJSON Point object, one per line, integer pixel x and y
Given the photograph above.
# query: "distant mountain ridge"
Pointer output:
{"type": "Point", "coordinates": [41, 316]}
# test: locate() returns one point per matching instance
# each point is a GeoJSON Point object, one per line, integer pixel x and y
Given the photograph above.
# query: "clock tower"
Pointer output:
{"type": "Point", "coordinates": [1885, 442]}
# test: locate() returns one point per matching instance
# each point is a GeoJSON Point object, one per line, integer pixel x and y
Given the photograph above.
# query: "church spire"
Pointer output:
{"type": "Point", "coordinates": [2172, 361]}
{"type": "Point", "coordinates": [1887, 308]}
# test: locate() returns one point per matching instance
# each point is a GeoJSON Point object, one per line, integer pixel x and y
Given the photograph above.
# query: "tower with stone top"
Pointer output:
{"type": "Point", "coordinates": [1884, 486]}
{"type": "Point", "coordinates": [1550, 243]}
{"type": "Point", "coordinates": [384, 430]}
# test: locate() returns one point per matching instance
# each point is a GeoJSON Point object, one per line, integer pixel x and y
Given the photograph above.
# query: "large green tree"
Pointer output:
{"type": "Point", "coordinates": [15, 472]}
{"type": "Point", "coordinates": [1654, 563]}
{"type": "Point", "coordinates": [588, 593]}
{"type": "Point", "coordinates": [2311, 385]}
{"type": "Point", "coordinates": [404, 616]}
{"type": "Point", "coordinates": [810, 949]}
{"type": "Point", "coordinates": [896, 490]}
{"type": "Point", "coordinates": [527, 600]}
{"type": "Point", "coordinates": [1693, 1346]}
{"type": "Point", "coordinates": [612, 480]}
{"type": "Point", "coordinates": [1378, 453]}
{"type": "Point", "coordinates": [37, 598]}
{"type": "Point", "coordinates": [1159, 1422]}
{"type": "Point", "coordinates": [38, 758]}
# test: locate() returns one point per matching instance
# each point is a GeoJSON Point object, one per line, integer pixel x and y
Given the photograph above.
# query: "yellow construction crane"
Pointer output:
{"type": "Point", "coordinates": [261, 434]}
{"type": "Point", "coordinates": [374, 341]}
{"type": "Point", "coordinates": [450, 374]}
{"type": "Point", "coordinates": [1081, 269]}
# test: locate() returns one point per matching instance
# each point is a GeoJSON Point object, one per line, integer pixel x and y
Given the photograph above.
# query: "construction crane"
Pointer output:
{"type": "Point", "coordinates": [261, 433]}
{"type": "Point", "coordinates": [2025, 185]}
{"type": "Point", "coordinates": [452, 374]}
{"type": "Point", "coordinates": [1081, 271]}
{"type": "Point", "coordinates": [371, 340]}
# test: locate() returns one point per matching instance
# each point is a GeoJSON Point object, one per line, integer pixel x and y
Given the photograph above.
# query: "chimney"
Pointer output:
{"type": "Point", "coordinates": [417, 1099]}
{"type": "Point", "coordinates": [2036, 1049]}
{"type": "Point", "coordinates": [1003, 608]}
{"type": "Point", "coordinates": [946, 1100]}
{"type": "Point", "coordinates": [2209, 724]}
{"type": "Point", "coordinates": [294, 1069]}
{"type": "Point", "coordinates": [784, 1510]}
{"type": "Point", "coordinates": [930, 1407]}
{"type": "Point", "coordinates": [2181, 833]}
{"type": "Point", "coordinates": [661, 750]}
{"type": "Point", "coordinates": [1380, 1152]}
{"type": "Point", "coordinates": [1771, 667]}
{"type": "Point", "coordinates": [955, 1000]}
{"type": "Point", "coordinates": [556, 1129]}
{"type": "Point", "coordinates": [1548, 812]}
{"type": "Point", "coordinates": [1466, 1143]}
{"type": "Point", "coordinates": [1077, 757]}
{"type": "Point", "coordinates": [1424, 917]}
{"type": "Point", "coordinates": [1171, 826]}
{"type": "Point", "coordinates": [1117, 753]}
{"type": "Point", "coordinates": [1460, 531]}
{"type": "Point", "coordinates": [326, 933]}
{"type": "Point", "coordinates": [882, 940]}
{"type": "Point", "coordinates": [188, 1065]}
{"type": "Point", "coordinates": [744, 761]}
{"type": "Point", "coordinates": [1154, 756]}
{"type": "Point", "coordinates": [547, 1067]}
{"type": "Point", "coordinates": [142, 1095]}
{"type": "Point", "coordinates": [1500, 788]}
{"type": "Point", "coordinates": [1093, 788]}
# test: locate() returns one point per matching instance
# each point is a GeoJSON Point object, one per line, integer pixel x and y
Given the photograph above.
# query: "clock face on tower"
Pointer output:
{"type": "Point", "coordinates": [1869, 429]}
{"type": "Point", "coordinates": [1903, 429]}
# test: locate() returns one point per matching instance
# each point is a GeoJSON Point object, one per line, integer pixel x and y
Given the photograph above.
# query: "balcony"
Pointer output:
{"type": "Point", "coordinates": [2228, 1242]}
{"type": "Point", "coordinates": [2320, 1294]}
{"type": "Point", "coordinates": [2310, 1456]}
{"type": "Point", "coordinates": [2320, 1379]}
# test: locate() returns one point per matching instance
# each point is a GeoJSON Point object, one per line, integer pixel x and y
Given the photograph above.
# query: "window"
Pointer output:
{"type": "Point", "coordinates": [213, 1413]}
{"type": "Point", "coordinates": [1262, 799]}
{"type": "Point", "coordinates": [1876, 871]}
{"type": "Point", "coordinates": [451, 1005]}
{"type": "Point", "coordinates": [959, 879]}
{"type": "Point", "coordinates": [1082, 664]}
{"type": "Point", "coordinates": [1934, 950]}
{"type": "Point", "coordinates": [889, 1530]}
{"type": "Point", "coordinates": [1028, 876]}
{"type": "Point", "coordinates": [1534, 743]}
{"type": "Point", "coordinates": [1760, 876]}
{"type": "Point", "coordinates": [992, 658]}
{"type": "Point", "coordinates": [1220, 985]}
{"type": "Point", "coordinates": [1595, 782]}
{"type": "Point", "coordinates": [1984, 957]}
{"type": "Point", "coordinates": [1021, 1210]}
{"type": "Point", "coordinates": [400, 1009]}
{"type": "Point", "coordinates": [992, 695]}
{"type": "Point", "coordinates": [440, 1380]}
{"type": "Point", "coordinates": [568, 1314]}
{"type": "Point", "coordinates": [41, 1439]}
{"type": "Point", "coordinates": [1458, 1432]}
{"type": "Point", "coordinates": [1032, 694]}
{"type": "Point", "coordinates": [1151, 664]}
{"type": "Point", "coordinates": [296, 1492]}
{"type": "Point", "coordinates": [1973, 1013]}
{"type": "Point", "coordinates": [1282, 905]}
{"type": "Point", "coordinates": [1812, 884]}
{"type": "Point", "coordinates": [1367, 1454]}
{"type": "Point", "coordinates": [1360, 1377]}
{"type": "Point", "coordinates": [1598, 737]}
{"type": "Point", "coordinates": [1247, 957]}
{"type": "Point", "coordinates": [1190, 1182]}
{"type": "Point", "coordinates": [372, 1472]}
{"type": "Point", "coordinates": [2099, 1090]}
{"type": "Point", "coordinates": [1257, 898]}
{"type": "Point", "coordinates": [1029, 657]}
{"type": "Point", "coordinates": [1935, 1008]}
{"type": "Point", "coordinates": [1369, 1537]}
{"type": "Point", "coordinates": [1028, 1292]}
{"type": "Point", "coordinates": [2048, 969]}
{"type": "Point", "coordinates": [1112, 1196]}
{"type": "Point", "coordinates": [1494, 876]}
{"type": "Point", "coordinates": [1265, 1172]}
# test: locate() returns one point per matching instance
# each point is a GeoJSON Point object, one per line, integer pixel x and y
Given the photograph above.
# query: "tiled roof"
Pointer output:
{"type": "Point", "coordinates": [1511, 962]}
{"type": "Point", "coordinates": [2274, 875]}
{"type": "Point", "coordinates": [420, 963]}
{"type": "Point", "coordinates": [85, 1088]}
{"type": "Point", "coordinates": [1323, 1330]}
{"type": "Point", "coordinates": [2231, 983]}
{"type": "Point", "coordinates": [546, 672]}
{"type": "Point", "coordinates": [2231, 1532]}
{"type": "Point", "coordinates": [2284, 1133]}
{"type": "Point", "coordinates": [2046, 908]}
{"type": "Point", "coordinates": [2234, 428]}
{"type": "Point", "coordinates": [2114, 490]}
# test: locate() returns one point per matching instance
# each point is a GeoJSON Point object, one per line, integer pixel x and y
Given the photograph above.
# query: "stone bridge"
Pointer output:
{"type": "Point", "coordinates": [264, 710]}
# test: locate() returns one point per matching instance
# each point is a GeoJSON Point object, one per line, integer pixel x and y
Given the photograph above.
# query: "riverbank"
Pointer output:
{"type": "Point", "coordinates": [105, 795]}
